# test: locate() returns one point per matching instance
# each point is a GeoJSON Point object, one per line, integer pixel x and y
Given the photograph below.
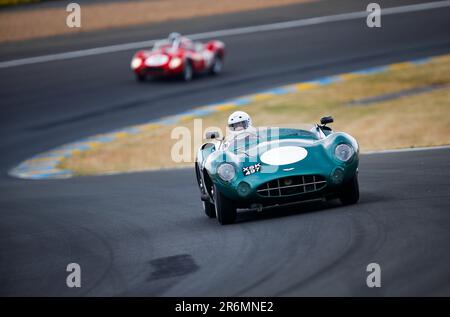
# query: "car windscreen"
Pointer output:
{"type": "Point", "coordinates": [240, 142]}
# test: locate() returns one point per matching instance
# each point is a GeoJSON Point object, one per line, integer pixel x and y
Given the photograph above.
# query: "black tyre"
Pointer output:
{"type": "Point", "coordinates": [188, 72]}
{"type": "Point", "coordinates": [208, 208]}
{"type": "Point", "coordinates": [349, 194]}
{"type": "Point", "coordinates": [141, 77]}
{"type": "Point", "coordinates": [217, 66]}
{"type": "Point", "coordinates": [225, 208]}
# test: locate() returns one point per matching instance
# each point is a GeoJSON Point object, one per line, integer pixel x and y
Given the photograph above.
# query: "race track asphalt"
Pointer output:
{"type": "Point", "coordinates": [145, 234]}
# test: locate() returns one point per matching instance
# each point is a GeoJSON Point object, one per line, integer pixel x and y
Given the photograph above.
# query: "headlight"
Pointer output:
{"type": "Point", "coordinates": [226, 172]}
{"type": "Point", "coordinates": [136, 62]}
{"type": "Point", "coordinates": [156, 60]}
{"type": "Point", "coordinates": [175, 62]}
{"type": "Point", "coordinates": [344, 152]}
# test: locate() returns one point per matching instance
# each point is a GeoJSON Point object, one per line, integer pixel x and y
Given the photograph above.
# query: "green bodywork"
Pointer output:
{"type": "Point", "coordinates": [319, 143]}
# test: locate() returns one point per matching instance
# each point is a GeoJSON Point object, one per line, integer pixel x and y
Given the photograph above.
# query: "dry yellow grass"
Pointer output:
{"type": "Point", "coordinates": [409, 121]}
{"type": "Point", "coordinates": [28, 24]}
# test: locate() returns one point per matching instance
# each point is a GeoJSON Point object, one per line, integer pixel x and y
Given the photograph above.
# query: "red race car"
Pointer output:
{"type": "Point", "coordinates": [178, 56]}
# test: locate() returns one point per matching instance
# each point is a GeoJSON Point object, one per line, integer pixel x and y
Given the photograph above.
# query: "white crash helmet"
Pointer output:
{"type": "Point", "coordinates": [174, 36]}
{"type": "Point", "coordinates": [239, 120]}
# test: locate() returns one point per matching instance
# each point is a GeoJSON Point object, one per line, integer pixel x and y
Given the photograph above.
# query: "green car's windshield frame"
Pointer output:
{"type": "Point", "coordinates": [242, 141]}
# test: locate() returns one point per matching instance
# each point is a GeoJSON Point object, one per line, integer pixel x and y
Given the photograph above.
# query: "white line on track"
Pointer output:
{"type": "Point", "coordinates": [228, 32]}
{"type": "Point", "coordinates": [416, 149]}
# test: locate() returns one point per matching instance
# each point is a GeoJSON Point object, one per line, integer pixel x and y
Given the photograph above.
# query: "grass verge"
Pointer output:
{"type": "Point", "coordinates": [416, 120]}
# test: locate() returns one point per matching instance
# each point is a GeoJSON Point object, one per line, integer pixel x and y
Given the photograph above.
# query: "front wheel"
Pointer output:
{"type": "Point", "coordinates": [217, 65]}
{"type": "Point", "coordinates": [141, 77]}
{"type": "Point", "coordinates": [349, 194]}
{"type": "Point", "coordinates": [225, 208]}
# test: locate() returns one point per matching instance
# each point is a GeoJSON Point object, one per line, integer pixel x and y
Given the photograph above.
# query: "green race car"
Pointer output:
{"type": "Point", "coordinates": [271, 167]}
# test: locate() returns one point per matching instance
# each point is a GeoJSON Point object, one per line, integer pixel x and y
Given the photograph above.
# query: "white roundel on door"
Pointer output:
{"type": "Point", "coordinates": [284, 155]}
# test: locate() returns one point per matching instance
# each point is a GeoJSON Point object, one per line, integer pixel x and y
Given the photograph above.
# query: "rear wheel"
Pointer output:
{"type": "Point", "coordinates": [208, 208]}
{"type": "Point", "coordinates": [349, 194]}
{"type": "Point", "coordinates": [217, 65]}
{"type": "Point", "coordinates": [188, 72]}
{"type": "Point", "coordinates": [225, 208]}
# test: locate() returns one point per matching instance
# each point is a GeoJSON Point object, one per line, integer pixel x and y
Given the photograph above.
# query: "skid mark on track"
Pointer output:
{"type": "Point", "coordinates": [172, 266]}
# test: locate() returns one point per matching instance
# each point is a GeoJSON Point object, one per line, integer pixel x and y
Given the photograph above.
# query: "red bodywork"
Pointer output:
{"type": "Point", "coordinates": [171, 59]}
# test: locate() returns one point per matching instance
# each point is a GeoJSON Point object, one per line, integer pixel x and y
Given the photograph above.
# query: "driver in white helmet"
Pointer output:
{"type": "Point", "coordinates": [174, 36]}
{"type": "Point", "coordinates": [240, 128]}
{"type": "Point", "coordinates": [239, 121]}
{"type": "Point", "coordinates": [176, 39]}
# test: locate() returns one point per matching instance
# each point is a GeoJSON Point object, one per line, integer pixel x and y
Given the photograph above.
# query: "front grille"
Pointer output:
{"type": "Point", "coordinates": [294, 185]}
{"type": "Point", "coordinates": [155, 69]}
